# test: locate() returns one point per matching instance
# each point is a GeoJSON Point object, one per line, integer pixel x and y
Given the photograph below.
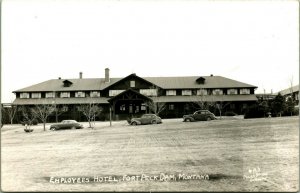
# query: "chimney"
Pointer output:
{"type": "Point", "coordinates": [59, 78]}
{"type": "Point", "coordinates": [80, 75]}
{"type": "Point", "coordinates": [211, 75]}
{"type": "Point", "coordinates": [107, 75]}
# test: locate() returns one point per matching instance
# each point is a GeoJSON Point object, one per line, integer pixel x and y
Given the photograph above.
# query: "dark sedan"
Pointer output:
{"type": "Point", "coordinates": [66, 124]}
{"type": "Point", "coordinates": [145, 119]}
{"type": "Point", "coordinates": [201, 115]}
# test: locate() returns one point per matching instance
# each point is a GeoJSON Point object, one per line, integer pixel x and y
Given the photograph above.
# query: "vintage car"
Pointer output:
{"type": "Point", "coordinates": [201, 115]}
{"type": "Point", "coordinates": [145, 119]}
{"type": "Point", "coordinates": [66, 124]}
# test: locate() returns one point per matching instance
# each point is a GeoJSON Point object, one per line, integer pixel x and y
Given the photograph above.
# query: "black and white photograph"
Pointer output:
{"type": "Point", "coordinates": [153, 95]}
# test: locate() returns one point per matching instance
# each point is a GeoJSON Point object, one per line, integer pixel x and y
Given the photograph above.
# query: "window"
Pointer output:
{"type": "Point", "coordinates": [122, 108]}
{"type": "Point", "coordinates": [79, 94]}
{"type": "Point", "coordinates": [148, 92]}
{"type": "Point", "coordinates": [232, 106]}
{"type": "Point", "coordinates": [171, 106]}
{"type": "Point", "coordinates": [36, 95]}
{"type": "Point", "coordinates": [95, 94]}
{"type": "Point", "coordinates": [245, 105]}
{"type": "Point", "coordinates": [143, 107]}
{"type": "Point", "coordinates": [24, 95]}
{"type": "Point", "coordinates": [217, 92]}
{"type": "Point", "coordinates": [171, 93]}
{"type": "Point", "coordinates": [186, 107]}
{"type": "Point", "coordinates": [245, 91]}
{"type": "Point", "coordinates": [202, 92]}
{"type": "Point", "coordinates": [50, 95]}
{"type": "Point", "coordinates": [65, 95]}
{"type": "Point", "coordinates": [115, 92]}
{"type": "Point", "coordinates": [132, 83]}
{"type": "Point", "coordinates": [186, 92]}
{"type": "Point", "coordinates": [232, 91]}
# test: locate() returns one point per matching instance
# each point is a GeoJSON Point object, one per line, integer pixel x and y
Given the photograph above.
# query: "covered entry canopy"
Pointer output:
{"type": "Point", "coordinates": [128, 103]}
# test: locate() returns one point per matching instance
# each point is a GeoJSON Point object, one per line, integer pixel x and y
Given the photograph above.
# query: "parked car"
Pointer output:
{"type": "Point", "coordinates": [66, 124]}
{"type": "Point", "coordinates": [145, 119]}
{"type": "Point", "coordinates": [201, 115]}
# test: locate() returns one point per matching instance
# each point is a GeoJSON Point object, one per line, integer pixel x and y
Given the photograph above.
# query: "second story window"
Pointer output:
{"type": "Point", "coordinates": [132, 83]}
{"type": "Point", "coordinates": [95, 94]}
{"type": "Point", "coordinates": [115, 92]}
{"type": "Point", "coordinates": [36, 95]}
{"type": "Point", "coordinates": [24, 95]}
{"type": "Point", "coordinates": [201, 92]}
{"type": "Point", "coordinates": [65, 95]}
{"type": "Point", "coordinates": [148, 92]}
{"type": "Point", "coordinates": [79, 94]}
{"type": "Point", "coordinates": [217, 92]}
{"type": "Point", "coordinates": [171, 92]}
{"type": "Point", "coordinates": [186, 92]}
{"type": "Point", "coordinates": [232, 91]}
{"type": "Point", "coordinates": [245, 91]}
{"type": "Point", "coordinates": [50, 95]}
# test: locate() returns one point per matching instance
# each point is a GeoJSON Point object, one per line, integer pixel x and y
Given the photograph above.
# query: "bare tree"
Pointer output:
{"type": "Point", "coordinates": [202, 101]}
{"type": "Point", "coordinates": [27, 114]}
{"type": "Point", "coordinates": [90, 111]}
{"type": "Point", "coordinates": [42, 112]}
{"type": "Point", "coordinates": [155, 105]}
{"type": "Point", "coordinates": [11, 112]}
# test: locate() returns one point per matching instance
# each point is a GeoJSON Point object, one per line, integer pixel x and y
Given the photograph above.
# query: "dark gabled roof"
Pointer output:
{"type": "Point", "coordinates": [288, 90]}
{"type": "Point", "coordinates": [190, 82]}
{"type": "Point", "coordinates": [185, 82]}
{"type": "Point", "coordinates": [78, 85]}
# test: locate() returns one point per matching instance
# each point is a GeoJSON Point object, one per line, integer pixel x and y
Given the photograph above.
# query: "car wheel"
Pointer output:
{"type": "Point", "coordinates": [52, 129]}
{"type": "Point", "coordinates": [133, 123]}
{"type": "Point", "coordinates": [187, 120]}
{"type": "Point", "coordinates": [153, 122]}
{"type": "Point", "coordinates": [208, 119]}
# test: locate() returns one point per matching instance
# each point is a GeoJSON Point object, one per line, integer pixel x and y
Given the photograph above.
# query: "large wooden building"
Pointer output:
{"type": "Point", "coordinates": [131, 95]}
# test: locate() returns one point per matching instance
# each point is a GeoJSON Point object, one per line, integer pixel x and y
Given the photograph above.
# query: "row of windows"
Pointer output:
{"type": "Point", "coordinates": [62, 94]}
{"type": "Point", "coordinates": [146, 92]}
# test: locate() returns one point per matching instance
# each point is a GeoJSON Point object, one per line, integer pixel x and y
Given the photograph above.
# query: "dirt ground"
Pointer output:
{"type": "Point", "coordinates": [221, 155]}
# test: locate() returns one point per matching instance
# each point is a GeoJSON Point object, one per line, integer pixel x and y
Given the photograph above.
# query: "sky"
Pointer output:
{"type": "Point", "coordinates": [256, 42]}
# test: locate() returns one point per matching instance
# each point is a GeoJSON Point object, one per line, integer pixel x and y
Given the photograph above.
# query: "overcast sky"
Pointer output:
{"type": "Point", "coordinates": [256, 42]}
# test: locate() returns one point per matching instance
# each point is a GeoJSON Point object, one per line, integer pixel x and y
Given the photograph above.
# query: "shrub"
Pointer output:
{"type": "Point", "coordinates": [254, 112]}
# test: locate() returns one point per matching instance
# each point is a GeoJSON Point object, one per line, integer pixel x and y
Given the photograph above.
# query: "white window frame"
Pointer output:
{"type": "Point", "coordinates": [244, 91]}
{"type": "Point", "coordinates": [79, 94]}
{"type": "Point", "coordinates": [170, 92]}
{"type": "Point", "coordinates": [50, 95]}
{"type": "Point", "coordinates": [132, 83]}
{"type": "Point", "coordinates": [201, 92]}
{"type": "Point", "coordinates": [115, 92]}
{"type": "Point", "coordinates": [95, 94]}
{"type": "Point", "coordinates": [186, 92]}
{"type": "Point", "coordinates": [232, 91]}
{"type": "Point", "coordinates": [36, 95]}
{"type": "Point", "coordinates": [24, 95]}
{"type": "Point", "coordinates": [218, 92]}
{"type": "Point", "coordinates": [148, 92]}
{"type": "Point", "coordinates": [65, 95]}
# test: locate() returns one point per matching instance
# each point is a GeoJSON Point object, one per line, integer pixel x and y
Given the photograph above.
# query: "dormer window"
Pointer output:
{"type": "Point", "coordinates": [200, 80]}
{"type": "Point", "coordinates": [67, 83]}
